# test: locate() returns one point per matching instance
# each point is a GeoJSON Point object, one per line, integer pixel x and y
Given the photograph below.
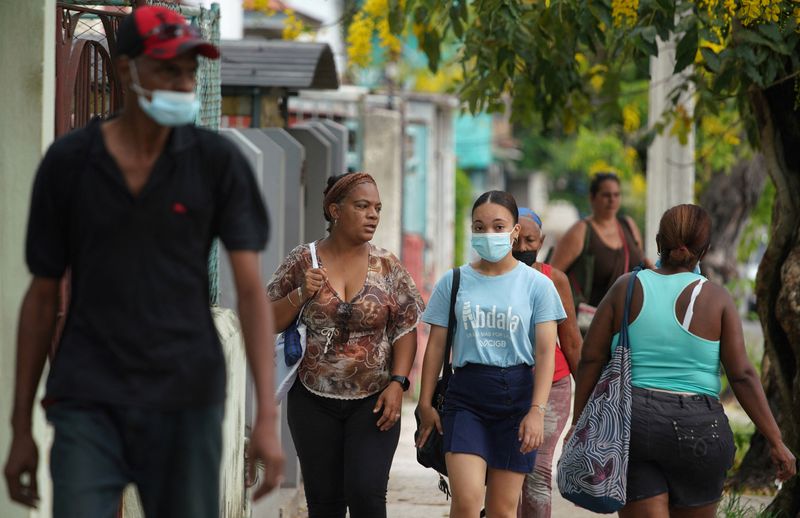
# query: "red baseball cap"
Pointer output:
{"type": "Point", "coordinates": [160, 33]}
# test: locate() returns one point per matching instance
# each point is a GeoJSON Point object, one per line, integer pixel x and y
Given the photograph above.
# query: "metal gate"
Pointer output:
{"type": "Point", "coordinates": [86, 81]}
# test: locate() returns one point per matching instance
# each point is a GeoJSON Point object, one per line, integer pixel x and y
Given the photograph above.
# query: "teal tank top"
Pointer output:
{"type": "Point", "coordinates": [664, 355]}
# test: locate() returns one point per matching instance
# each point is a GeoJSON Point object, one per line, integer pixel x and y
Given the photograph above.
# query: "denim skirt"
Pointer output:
{"type": "Point", "coordinates": [483, 408]}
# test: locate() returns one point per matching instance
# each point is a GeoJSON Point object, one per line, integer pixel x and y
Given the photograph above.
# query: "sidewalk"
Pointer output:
{"type": "Point", "coordinates": [414, 493]}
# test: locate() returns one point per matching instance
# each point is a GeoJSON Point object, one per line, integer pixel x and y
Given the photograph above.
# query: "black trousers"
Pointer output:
{"type": "Point", "coordinates": [345, 459]}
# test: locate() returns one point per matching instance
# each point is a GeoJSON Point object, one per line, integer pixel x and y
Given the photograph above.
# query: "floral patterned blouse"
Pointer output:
{"type": "Point", "coordinates": [349, 343]}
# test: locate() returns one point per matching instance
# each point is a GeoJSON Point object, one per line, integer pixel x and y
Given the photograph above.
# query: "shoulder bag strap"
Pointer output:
{"type": "Point", "coordinates": [312, 246]}
{"type": "Point", "coordinates": [587, 235]}
{"type": "Point", "coordinates": [623, 332]}
{"type": "Point", "coordinates": [624, 246]}
{"type": "Point", "coordinates": [447, 368]}
{"type": "Point", "coordinates": [582, 262]}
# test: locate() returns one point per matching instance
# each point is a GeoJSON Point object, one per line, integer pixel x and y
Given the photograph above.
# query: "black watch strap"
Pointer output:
{"type": "Point", "coordinates": [403, 381]}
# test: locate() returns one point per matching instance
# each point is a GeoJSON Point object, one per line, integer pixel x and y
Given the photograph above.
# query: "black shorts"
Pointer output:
{"type": "Point", "coordinates": [681, 445]}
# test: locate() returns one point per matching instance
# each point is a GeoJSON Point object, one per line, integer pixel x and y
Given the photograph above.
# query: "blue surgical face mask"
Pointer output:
{"type": "Point", "coordinates": [696, 267]}
{"type": "Point", "coordinates": [166, 107]}
{"type": "Point", "coordinates": [492, 247]}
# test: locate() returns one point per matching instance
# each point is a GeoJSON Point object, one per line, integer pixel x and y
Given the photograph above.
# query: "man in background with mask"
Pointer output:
{"type": "Point", "coordinates": [131, 205]}
{"type": "Point", "coordinates": [537, 489]}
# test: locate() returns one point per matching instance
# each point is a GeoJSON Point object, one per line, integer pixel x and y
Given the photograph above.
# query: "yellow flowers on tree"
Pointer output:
{"type": "Point", "coordinates": [373, 19]}
{"type": "Point", "coordinates": [359, 40]}
{"type": "Point", "coordinates": [624, 12]}
{"type": "Point", "coordinates": [293, 26]}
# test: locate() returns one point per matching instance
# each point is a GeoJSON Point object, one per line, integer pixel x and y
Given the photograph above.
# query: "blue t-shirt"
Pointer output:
{"type": "Point", "coordinates": [495, 315]}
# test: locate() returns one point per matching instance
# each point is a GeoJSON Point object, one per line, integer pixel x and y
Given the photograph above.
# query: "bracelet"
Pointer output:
{"type": "Point", "coordinates": [540, 408]}
{"type": "Point", "coordinates": [289, 298]}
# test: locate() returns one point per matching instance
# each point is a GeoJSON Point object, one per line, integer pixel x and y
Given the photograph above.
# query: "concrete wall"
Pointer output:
{"type": "Point", "coordinates": [27, 58]}
{"type": "Point", "coordinates": [441, 228]}
{"type": "Point", "coordinates": [382, 144]}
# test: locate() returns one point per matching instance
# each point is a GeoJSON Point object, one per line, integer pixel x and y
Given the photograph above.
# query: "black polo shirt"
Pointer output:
{"type": "Point", "coordinates": [139, 329]}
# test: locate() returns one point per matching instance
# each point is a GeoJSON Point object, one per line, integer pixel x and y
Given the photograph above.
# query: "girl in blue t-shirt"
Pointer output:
{"type": "Point", "coordinates": [506, 319]}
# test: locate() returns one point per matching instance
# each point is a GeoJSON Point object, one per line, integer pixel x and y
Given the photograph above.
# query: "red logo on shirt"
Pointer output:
{"type": "Point", "coordinates": [179, 208]}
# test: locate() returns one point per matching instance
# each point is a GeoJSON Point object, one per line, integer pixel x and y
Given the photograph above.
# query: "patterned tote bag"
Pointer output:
{"type": "Point", "coordinates": [593, 470]}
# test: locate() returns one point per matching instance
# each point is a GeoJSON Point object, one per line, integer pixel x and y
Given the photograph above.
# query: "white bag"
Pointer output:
{"type": "Point", "coordinates": [585, 315]}
{"type": "Point", "coordinates": [285, 375]}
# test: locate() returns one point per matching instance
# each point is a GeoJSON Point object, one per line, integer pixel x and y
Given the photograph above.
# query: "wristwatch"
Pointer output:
{"type": "Point", "coordinates": [403, 381]}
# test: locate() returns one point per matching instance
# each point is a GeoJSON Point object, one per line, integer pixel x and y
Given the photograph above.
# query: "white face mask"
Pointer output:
{"type": "Point", "coordinates": [166, 107]}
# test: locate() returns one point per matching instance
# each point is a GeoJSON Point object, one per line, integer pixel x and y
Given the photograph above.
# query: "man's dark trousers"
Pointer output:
{"type": "Point", "coordinates": [173, 457]}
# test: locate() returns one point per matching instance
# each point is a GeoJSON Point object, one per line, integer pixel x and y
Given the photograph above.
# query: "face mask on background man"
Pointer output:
{"type": "Point", "coordinates": [166, 107]}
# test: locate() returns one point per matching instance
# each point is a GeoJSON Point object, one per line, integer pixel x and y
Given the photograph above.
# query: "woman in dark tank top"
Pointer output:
{"type": "Point", "coordinates": [610, 263]}
{"type": "Point", "coordinates": [595, 251]}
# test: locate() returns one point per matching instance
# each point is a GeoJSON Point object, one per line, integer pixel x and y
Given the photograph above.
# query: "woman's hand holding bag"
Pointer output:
{"type": "Point", "coordinates": [429, 422]}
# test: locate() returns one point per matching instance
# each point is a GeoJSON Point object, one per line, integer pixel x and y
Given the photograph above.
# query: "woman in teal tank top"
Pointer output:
{"type": "Point", "coordinates": [681, 328]}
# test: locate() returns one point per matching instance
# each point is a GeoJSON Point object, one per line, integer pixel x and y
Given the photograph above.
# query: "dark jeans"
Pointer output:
{"type": "Point", "coordinates": [345, 459]}
{"type": "Point", "coordinates": [173, 457]}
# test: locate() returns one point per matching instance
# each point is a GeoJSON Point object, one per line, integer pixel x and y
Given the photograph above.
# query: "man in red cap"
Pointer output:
{"type": "Point", "coordinates": [131, 206]}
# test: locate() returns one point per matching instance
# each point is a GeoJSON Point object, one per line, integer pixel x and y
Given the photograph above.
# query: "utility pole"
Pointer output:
{"type": "Point", "coordinates": [670, 164]}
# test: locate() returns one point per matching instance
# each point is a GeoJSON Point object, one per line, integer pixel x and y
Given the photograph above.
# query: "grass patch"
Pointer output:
{"type": "Point", "coordinates": [732, 506]}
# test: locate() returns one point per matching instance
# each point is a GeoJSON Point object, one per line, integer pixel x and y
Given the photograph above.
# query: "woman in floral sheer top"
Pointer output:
{"type": "Point", "coordinates": [361, 309]}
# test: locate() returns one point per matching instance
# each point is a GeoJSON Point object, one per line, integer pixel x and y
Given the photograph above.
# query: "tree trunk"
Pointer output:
{"type": "Point", "coordinates": [730, 198]}
{"type": "Point", "coordinates": [778, 280]}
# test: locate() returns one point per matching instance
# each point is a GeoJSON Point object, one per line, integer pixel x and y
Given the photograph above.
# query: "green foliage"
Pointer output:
{"type": "Point", "coordinates": [463, 206]}
{"type": "Point", "coordinates": [529, 49]}
{"type": "Point", "coordinates": [571, 161]}
{"type": "Point", "coordinates": [741, 438]}
{"type": "Point", "coordinates": [754, 234]}
{"type": "Point", "coordinates": [719, 143]}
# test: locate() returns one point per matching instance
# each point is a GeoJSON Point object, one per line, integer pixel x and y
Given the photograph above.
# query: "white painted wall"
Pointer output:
{"type": "Point", "coordinates": [27, 40]}
{"type": "Point", "coordinates": [382, 138]}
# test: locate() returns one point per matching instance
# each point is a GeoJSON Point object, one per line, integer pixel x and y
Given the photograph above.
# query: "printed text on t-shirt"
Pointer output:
{"type": "Point", "coordinates": [492, 327]}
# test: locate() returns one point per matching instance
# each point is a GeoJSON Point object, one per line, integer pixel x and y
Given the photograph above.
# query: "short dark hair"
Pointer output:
{"type": "Point", "coordinates": [501, 198]}
{"type": "Point", "coordinates": [599, 178]}
{"type": "Point", "coordinates": [683, 234]}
